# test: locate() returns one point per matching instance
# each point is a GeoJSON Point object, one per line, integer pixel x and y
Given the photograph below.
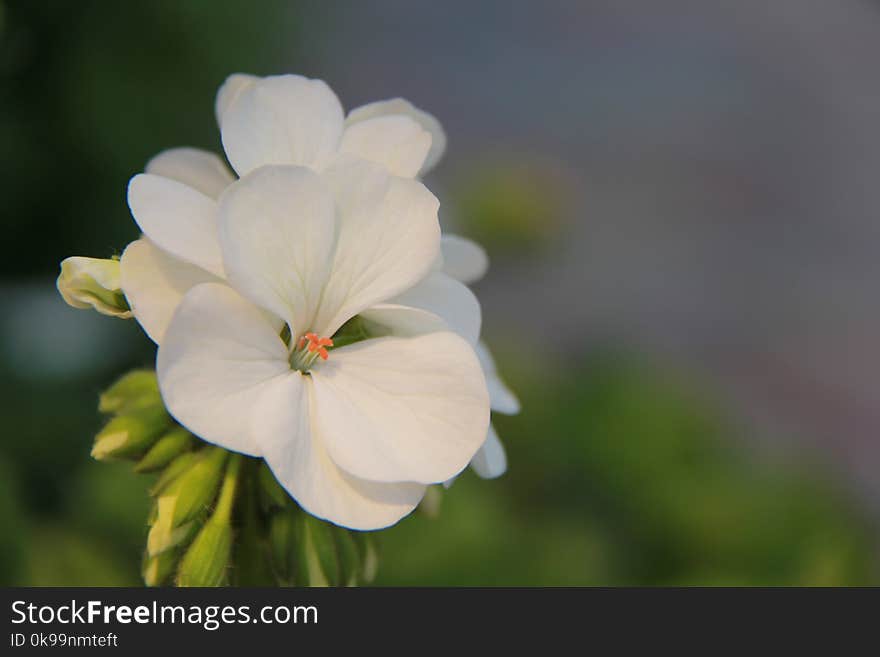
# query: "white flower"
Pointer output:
{"type": "Point", "coordinates": [356, 434]}
{"type": "Point", "coordinates": [466, 261]}
{"type": "Point", "coordinates": [284, 119]}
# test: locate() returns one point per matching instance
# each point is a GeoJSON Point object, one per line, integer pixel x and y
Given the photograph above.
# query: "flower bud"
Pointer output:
{"type": "Point", "coordinates": [164, 450]}
{"type": "Point", "coordinates": [93, 283]}
{"type": "Point", "coordinates": [138, 388]}
{"type": "Point", "coordinates": [206, 561]}
{"type": "Point", "coordinates": [164, 535]}
{"type": "Point", "coordinates": [194, 490]}
{"type": "Point", "coordinates": [130, 434]}
{"type": "Point", "coordinates": [173, 470]}
{"type": "Point", "coordinates": [184, 499]}
{"type": "Point", "coordinates": [156, 570]}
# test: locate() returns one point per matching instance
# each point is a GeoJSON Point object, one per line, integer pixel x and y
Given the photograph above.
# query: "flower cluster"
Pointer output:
{"type": "Point", "coordinates": [306, 308]}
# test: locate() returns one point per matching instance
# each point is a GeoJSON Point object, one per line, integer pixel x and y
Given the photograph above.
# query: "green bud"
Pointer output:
{"type": "Point", "coordinates": [174, 469]}
{"type": "Point", "coordinates": [93, 283]}
{"type": "Point", "coordinates": [135, 389]}
{"type": "Point", "coordinates": [130, 434]}
{"type": "Point", "coordinates": [206, 561]}
{"type": "Point", "coordinates": [169, 446]}
{"type": "Point", "coordinates": [195, 489]}
{"type": "Point", "coordinates": [271, 492]}
{"type": "Point", "coordinates": [185, 491]}
{"type": "Point", "coordinates": [164, 534]}
{"type": "Point", "coordinates": [156, 570]}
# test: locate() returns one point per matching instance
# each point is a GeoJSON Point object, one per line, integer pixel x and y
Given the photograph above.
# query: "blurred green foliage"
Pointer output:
{"type": "Point", "coordinates": [619, 477]}
{"type": "Point", "coordinates": [512, 203]}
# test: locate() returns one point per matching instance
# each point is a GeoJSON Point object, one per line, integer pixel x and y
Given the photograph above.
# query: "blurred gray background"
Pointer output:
{"type": "Point", "coordinates": [720, 168]}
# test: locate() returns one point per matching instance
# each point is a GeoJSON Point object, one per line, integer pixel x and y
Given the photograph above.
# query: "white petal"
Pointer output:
{"type": "Point", "coordinates": [285, 119]}
{"type": "Point", "coordinates": [402, 409]}
{"type": "Point", "coordinates": [218, 354]}
{"type": "Point", "coordinates": [277, 228]}
{"type": "Point", "coordinates": [228, 92]}
{"type": "Point", "coordinates": [463, 259]}
{"type": "Point", "coordinates": [401, 107]}
{"type": "Point", "coordinates": [154, 284]}
{"type": "Point", "coordinates": [447, 298]}
{"type": "Point", "coordinates": [396, 142]}
{"type": "Point", "coordinates": [296, 455]}
{"type": "Point", "coordinates": [388, 236]}
{"type": "Point", "coordinates": [177, 218]}
{"type": "Point", "coordinates": [401, 321]}
{"type": "Point", "coordinates": [490, 461]}
{"type": "Point", "coordinates": [503, 399]}
{"type": "Point", "coordinates": [201, 170]}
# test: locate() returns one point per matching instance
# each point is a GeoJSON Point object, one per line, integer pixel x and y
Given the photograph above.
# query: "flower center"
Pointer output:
{"type": "Point", "coordinates": [308, 349]}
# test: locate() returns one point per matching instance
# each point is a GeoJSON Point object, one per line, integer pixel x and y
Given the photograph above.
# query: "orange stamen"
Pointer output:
{"type": "Point", "coordinates": [316, 344]}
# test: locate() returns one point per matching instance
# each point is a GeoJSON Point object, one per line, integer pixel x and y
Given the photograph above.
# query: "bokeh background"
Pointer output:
{"type": "Point", "coordinates": [682, 205]}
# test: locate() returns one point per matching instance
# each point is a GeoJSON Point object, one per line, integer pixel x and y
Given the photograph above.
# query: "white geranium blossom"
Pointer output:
{"type": "Point", "coordinates": [354, 434]}
{"type": "Point", "coordinates": [289, 120]}
{"type": "Point", "coordinates": [285, 119]}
